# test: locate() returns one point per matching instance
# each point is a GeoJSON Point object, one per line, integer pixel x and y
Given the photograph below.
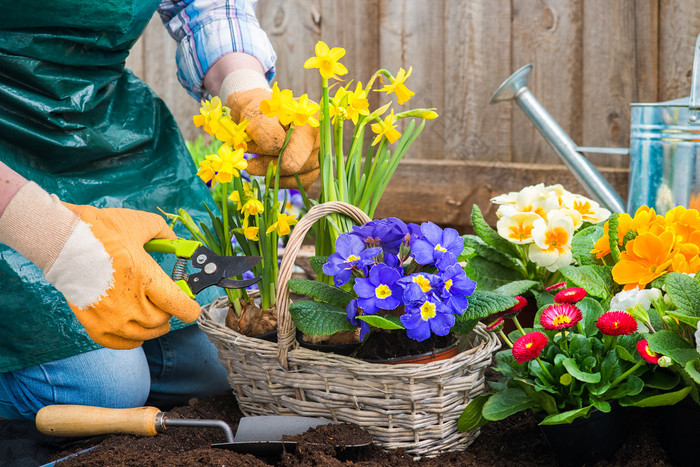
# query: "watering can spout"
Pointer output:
{"type": "Point", "coordinates": [515, 88]}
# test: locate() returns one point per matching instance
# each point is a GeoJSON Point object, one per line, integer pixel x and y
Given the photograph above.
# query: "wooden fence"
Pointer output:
{"type": "Point", "coordinates": [591, 58]}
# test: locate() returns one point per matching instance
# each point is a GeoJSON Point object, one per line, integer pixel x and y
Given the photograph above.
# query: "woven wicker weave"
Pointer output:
{"type": "Point", "coordinates": [408, 406]}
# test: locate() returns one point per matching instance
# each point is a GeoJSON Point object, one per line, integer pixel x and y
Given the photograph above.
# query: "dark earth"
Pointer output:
{"type": "Point", "coordinates": [514, 441]}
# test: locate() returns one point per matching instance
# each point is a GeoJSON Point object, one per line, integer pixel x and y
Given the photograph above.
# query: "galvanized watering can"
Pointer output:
{"type": "Point", "coordinates": [664, 147]}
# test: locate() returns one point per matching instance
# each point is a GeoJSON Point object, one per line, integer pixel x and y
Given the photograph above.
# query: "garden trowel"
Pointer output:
{"type": "Point", "coordinates": [258, 435]}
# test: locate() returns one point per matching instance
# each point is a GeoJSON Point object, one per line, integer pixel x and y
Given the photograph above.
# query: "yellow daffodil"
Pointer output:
{"type": "Point", "coordinates": [252, 207]}
{"type": "Point", "coordinates": [235, 196]}
{"type": "Point", "coordinates": [278, 105]}
{"type": "Point", "coordinates": [228, 132]}
{"type": "Point", "coordinates": [251, 233]}
{"type": "Point", "coordinates": [206, 172]}
{"type": "Point", "coordinates": [357, 103]}
{"type": "Point", "coordinates": [397, 86]}
{"type": "Point", "coordinates": [210, 112]}
{"type": "Point", "coordinates": [386, 128]}
{"type": "Point", "coordinates": [326, 60]}
{"type": "Point", "coordinates": [282, 226]}
{"type": "Point", "coordinates": [303, 110]}
{"type": "Point", "coordinates": [227, 163]}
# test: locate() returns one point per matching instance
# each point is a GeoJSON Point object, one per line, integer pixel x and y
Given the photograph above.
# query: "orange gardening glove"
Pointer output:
{"type": "Point", "coordinates": [243, 91]}
{"type": "Point", "coordinates": [95, 258]}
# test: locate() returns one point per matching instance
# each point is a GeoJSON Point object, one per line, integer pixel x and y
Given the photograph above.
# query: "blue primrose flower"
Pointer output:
{"type": "Point", "coordinates": [420, 284]}
{"type": "Point", "coordinates": [350, 254]}
{"type": "Point", "coordinates": [438, 246]}
{"type": "Point", "coordinates": [385, 233]}
{"type": "Point", "coordinates": [456, 286]}
{"type": "Point", "coordinates": [422, 317]}
{"type": "Point", "coordinates": [352, 313]}
{"type": "Point", "coordinates": [379, 291]}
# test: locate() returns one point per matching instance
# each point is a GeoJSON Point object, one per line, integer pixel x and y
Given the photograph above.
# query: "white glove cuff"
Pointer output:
{"type": "Point", "coordinates": [242, 80]}
{"type": "Point", "coordinates": [36, 225]}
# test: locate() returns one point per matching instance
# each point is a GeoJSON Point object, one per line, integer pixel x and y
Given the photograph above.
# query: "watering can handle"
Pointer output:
{"type": "Point", "coordinates": [694, 101]}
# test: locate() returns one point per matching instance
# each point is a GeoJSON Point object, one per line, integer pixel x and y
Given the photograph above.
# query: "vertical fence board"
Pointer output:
{"type": "Point", "coordinates": [549, 35]}
{"type": "Point", "coordinates": [477, 56]}
{"type": "Point", "coordinates": [679, 22]}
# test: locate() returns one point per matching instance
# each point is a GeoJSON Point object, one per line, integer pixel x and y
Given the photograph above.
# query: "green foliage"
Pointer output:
{"type": "Point", "coordinates": [320, 291]}
{"type": "Point", "coordinates": [317, 263]}
{"type": "Point", "coordinates": [483, 304]}
{"type": "Point", "coordinates": [583, 243]}
{"type": "Point", "coordinates": [597, 280]}
{"type": "Point", "coordinates": [319, 318]}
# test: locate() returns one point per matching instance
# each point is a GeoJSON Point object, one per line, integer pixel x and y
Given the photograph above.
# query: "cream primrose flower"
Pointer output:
{"type": "Point", "coordinates": [590, 210]}
{"type": "Point", "coordinates": [518, 227]}
{"type": "Point", "coordinates": [505, 198]}
{"type": "Point", "coordinates": [627, 299]}
{"type": "Point", "coordinates": [552, 241]}
{"type": "Point", "coordinates": [535, 198]}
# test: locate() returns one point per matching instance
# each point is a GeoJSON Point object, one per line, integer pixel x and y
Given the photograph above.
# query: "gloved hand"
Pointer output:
{"type": "Point", "coordinates": [243, 91]}
{"type": "Point", "coordinates": [95, 258]}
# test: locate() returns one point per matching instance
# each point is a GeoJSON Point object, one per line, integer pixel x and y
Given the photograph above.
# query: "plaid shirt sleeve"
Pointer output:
{"type": "Point", "coordinates": [206, 30]}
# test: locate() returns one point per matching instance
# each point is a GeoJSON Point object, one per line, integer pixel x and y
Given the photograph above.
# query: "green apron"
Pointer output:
{"type": "Point", "coordinates": [73, 120]}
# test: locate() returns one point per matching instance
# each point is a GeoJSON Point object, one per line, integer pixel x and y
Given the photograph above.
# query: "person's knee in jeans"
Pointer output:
{"type": "Point", "coordinates": [103, 378]}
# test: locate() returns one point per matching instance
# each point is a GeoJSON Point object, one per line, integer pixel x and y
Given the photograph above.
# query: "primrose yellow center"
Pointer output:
{"type": "Point", "coordinates": [556, 239]}
{"type": "Point", "coordinates": [561, 319]}
{"type": "Point", "coordinates": [383, 291]}
{"type": "Point", "coordinates": [448, 284]}
{"type": "Point", "coordinates": [439, 247]}
{"type": "Point", "coordinates": [427, 311]}
{"type": "Point", "coordinates": [353, 258]}
{"type": "Point", "coordinates": [423, 282]}
{"type": "Point", "coordinates": [520, 232]}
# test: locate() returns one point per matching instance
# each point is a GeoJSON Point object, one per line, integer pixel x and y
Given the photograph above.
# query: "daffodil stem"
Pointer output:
{"type": "Point", "coordinates": [624, 375]}
{"type": "Point", "coordinates": [224, 211]}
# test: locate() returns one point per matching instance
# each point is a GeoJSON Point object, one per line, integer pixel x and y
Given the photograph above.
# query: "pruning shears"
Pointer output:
{"type": "Point", "coordinates": [215, 269]}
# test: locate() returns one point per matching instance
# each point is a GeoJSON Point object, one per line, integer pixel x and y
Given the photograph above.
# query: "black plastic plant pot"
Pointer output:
{"type": "Point", "coordinates": [677, 431]}
{"type": "Point", "coordinates": [587, 440]}
{"type": "Point", "coordinates": [270, 336]}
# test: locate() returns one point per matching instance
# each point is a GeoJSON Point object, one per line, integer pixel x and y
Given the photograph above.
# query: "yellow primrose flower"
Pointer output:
{"type": "Point", "coordinates": [386, 128]}
{"type": "Point", "coordinates": [278, 105]}
{"type": "Point", "coordinates": [326, 60]}
{"type": "Point", "coordinates": [252, 207]}
{"type": "Point", "coordinates": [251, 233]}
{"type": "Point", "coordinates": [398, 87]}
{"type": "Point", "coordinates": [227, 163]}
{"type": "Point", "coordinates": [302, 111]}
{"type": "Point", "coordinates": [282, 225]}
{"type": "Point", "coordinates": [210, 113]}
{"type": "Point", "coordinates": [228, 132]}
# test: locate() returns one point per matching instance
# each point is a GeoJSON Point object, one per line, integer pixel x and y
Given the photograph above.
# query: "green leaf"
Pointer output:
{"type": "Point", "coordinates": [516, 288]}
{"type": "Point", "coordinates": [613, 222]}
{"type": "Point", "coordinates": [467, 251]}
{"type": "Point", "coordinates": [382, 321]}
{"type": "Point", "coordinates": [489, 275]}
{"type": "Point", "coordinates": [583, 243]}
{"type": "Point", "coordinates": [463, 326]}
{"type": "Point", "coordinates": [483, 304]}
{"type": "Point", "coordinates": [489, 235]}
{"type": "Point", "coordinates": [317, 263]}
{"type": "Point", "coordinates": [505, 403]}
{"type": "Point", "coordinates": [685, 293]}
{"type": "Point", "coordinates": [663, 380]}
{"type": "Point", "coordinates": [674, 346]}
{"type": "Point", "coordinates": [632, 386]}
{"type": "Point", "coordinates": [320, 291]}
{"type": "Point", "coordinates": [668, 398]}
{"type": "Point", "coordinates": [603, 406]}
{"type": "Point", "coordinates": [566, 417]}
{"type": "Point", "coordinates": [319, 318]}
{"type": "Point", "coordinates": [572, 367]}
{"type": "Point", "coordinates": [597, 280]}
{"type": "Point", "coordinates": [489, 253]}
{"type": "Point", "coordinates": [624, 354]}
{"type": "Point", "coordinates": [591, 311]}
{"type": "Point", "coordinates": [693, 370]}
{"type": "Point", "coordinates": [472, 418]}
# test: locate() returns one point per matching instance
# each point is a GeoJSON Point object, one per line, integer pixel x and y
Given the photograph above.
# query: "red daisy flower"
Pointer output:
{"type": "Point", "coordinates": [529, 346]}
{"type": "Point", "coordinates": [495, 326]}
{"type": "Point", "coordinates": [616, 323]}
{"type": "Point", "coordinates": [514, 310]}
{"type": "Point", "coordinates": [557, 286]}
{"type": "Point", "coordinates": [646, 353]}
{"type": "Point", "coordinates": [560, 316]}
{"type": "Point", "coordinates": [570, 295]}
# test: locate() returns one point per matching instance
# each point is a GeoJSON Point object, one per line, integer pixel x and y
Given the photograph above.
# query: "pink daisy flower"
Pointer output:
{"type": "Point", "coordinates": [570, 295]}
{"type": "Point", "coordinates": [514, 310]}
{"type": "Point", "coordinates": [646, 353]}
{"type": "Point", "coordinates": [560, 316]}
{"type": "Point", "coordinates": [616, 323]}
{"type": "Point", "coordinates": [529, 346]}
{"type": "Point", "coordinates": [495, 326]}
{"type": "Point", "coordinates": [557, 286]}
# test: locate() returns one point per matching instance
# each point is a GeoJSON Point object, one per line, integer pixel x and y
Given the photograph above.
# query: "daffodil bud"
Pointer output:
{"type": "Point", "coordinates": [429, 115]}
{"type": "Point", "coordinates": [565, 379]}
{"type": "Point", "coordinates": [665, 361]}
{"type": "Point", "coordinates": [187, 220]}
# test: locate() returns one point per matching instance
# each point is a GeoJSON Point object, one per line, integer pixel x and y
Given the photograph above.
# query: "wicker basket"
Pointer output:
{"type": "Point", "coordinates": [408, 406]}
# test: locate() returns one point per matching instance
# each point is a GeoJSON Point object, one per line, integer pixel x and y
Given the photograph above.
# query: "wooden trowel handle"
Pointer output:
{"type": "Point", "coordinates": [84, 420]}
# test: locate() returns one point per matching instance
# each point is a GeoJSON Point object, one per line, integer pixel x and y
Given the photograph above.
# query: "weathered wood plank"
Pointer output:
{"type": "Point", "coordinates": [477, 46]}
{"type": "Point", "coordinates": [412, 33]}
{"type": "Point", "coordinates": [294, 27]}
{"type": "Point", "coordinates": [609, 75]}
{"type": "Point", "coordinates": [679, 25]}
{"type": "Point", "coordinates": [549, 35]}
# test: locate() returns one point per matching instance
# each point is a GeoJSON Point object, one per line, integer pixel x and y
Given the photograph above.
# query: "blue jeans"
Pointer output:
{"type": "Point", "coordinates": [163, 372]}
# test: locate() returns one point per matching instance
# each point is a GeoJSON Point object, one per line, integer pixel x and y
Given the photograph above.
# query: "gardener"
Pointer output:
{"type": "Point", "coordinates": [75, 123]}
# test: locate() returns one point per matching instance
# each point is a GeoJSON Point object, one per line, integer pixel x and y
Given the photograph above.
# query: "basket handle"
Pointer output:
{"type": "Point", "coordinates": [286, 330]}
